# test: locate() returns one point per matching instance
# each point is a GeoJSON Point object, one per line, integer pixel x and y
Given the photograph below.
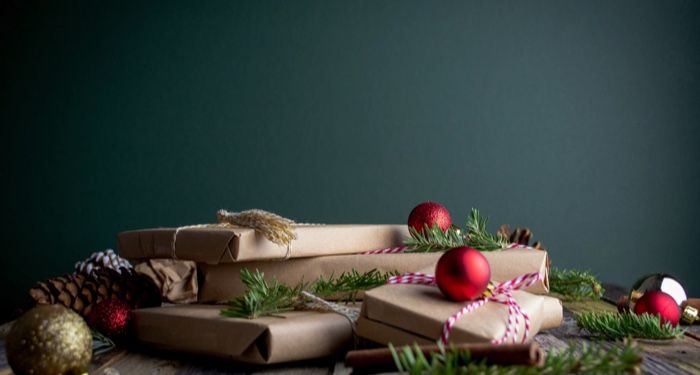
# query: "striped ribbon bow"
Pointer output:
{"type": "Point", "coordinates": [501, 293]}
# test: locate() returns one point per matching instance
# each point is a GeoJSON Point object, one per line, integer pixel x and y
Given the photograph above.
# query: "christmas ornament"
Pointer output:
{"type": "Point", "coordinates": [102, 259]}
{"type": "Point", "coordinates": [661, 282]}
{"type": "Point", "coordinates": [111, 317]}
{"type": "Point", "coordinates": [80, 291]}
{"type": "Point", "coordinates": [661, 304]}
{"type": "Point", "coordinates": [49, 340]}
{"type": "Point", "coordinates": [664, 283]}
{"type": "Point", "coordinates": [429, 214]}
{"type": "Point", "coordinates": [462, 274]}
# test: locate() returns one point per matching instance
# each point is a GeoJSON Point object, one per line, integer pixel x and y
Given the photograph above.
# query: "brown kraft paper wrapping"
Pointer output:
{"type": "Point", "coordinates": [200, 329]}
{"type": "Point", "coordinates": [421, 310]}
{"type": "Point", "coordinates": [226, 244]}
{"type": "Point", "coordinates": [176, 279]}
{"type": "Point", "coordinates": [223, 282]}
{"type": "Point", "coordinates": [385, 334]}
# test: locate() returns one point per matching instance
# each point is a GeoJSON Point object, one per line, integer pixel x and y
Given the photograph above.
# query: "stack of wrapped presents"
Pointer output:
{"type": "Point", "coordinates": [198, 269]}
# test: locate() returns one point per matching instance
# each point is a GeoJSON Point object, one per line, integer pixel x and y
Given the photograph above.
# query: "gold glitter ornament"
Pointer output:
{"type": "Point", "coordinates": [49, 340]}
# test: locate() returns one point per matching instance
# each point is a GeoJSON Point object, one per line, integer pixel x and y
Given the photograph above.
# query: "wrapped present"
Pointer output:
{"type": "Point", "coordinates": [384, 333]}
{"type": "Point", "coordinates": [222, 243]}
{"type": "Point", "coordinates": [404, 313]}
{"type": "Point", "coordinates": [222, 282]}
{"type": "Point", "coordinates": [200, 329]}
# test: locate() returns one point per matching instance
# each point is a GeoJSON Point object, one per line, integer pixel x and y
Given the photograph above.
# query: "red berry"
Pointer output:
{"type": "Point", "coordinates": [429, 214]}
{"type": "Point", "coordinates": [462, 274]}
{"type": "Point", "coordinates": [661, 304]}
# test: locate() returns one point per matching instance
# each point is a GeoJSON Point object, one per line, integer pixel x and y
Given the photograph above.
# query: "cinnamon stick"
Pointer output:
{"type": "Point", "coordinates": [380, 360]}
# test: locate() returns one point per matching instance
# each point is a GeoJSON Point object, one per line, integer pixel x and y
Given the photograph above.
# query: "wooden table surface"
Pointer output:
{"type": "Point", "coordinates": [681, 356]}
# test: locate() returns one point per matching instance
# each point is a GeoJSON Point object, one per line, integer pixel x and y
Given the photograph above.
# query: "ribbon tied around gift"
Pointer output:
{"type": "Point", "coordinates": [500, 293]}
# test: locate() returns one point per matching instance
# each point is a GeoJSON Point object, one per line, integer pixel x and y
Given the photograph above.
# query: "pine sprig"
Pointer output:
{"type": "Point", "coordinates": [434, 239]}
{"type": "Point", "coordinates": [268, 299]}
{"type": "Point", "coordinates": [593, 358]}
{"type": "Point", "coordinates": [574, 285]}
{"type": "Point", "coordinates": [613, 326]}
{"type": "Point", "coordinates": [477, 236]}
{"type": "Point", "coordinates": [348, 285]}
{"type": "Point", "coordinates": [262, 298]}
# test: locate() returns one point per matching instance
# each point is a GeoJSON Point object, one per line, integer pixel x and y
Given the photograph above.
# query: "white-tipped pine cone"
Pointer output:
{"type": "Point", "coordinates": [102, 259]}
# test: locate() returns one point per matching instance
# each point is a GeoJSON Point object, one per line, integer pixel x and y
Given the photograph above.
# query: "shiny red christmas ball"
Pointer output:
{"type": "Point", "coordinates": [429, 213]}
{"type": "Point", "coordinates": [661, 304]}
{"type": "Point", "coordinates": [111, 317]}
{"type": "Point", "coordinates": [462, 273]}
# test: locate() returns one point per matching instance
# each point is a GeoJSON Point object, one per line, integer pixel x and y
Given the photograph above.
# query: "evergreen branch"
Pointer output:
{"type": "Point", "coordinates": [477, 236]}
{"type": "Point", "coordinates": [261, 298]}
{"type": "Point", "coordinates": [267, 299]}
{"type": "Point", "coordinates": [434, 239]}
{"type": "Point", "coordinates": [612, 326]}
{"type": "Point", "coordinates": [348, 285]}
{"type": "Point", "coordinates": [574, 285]}
{"type": "Point", "coordinates": [593, 358]}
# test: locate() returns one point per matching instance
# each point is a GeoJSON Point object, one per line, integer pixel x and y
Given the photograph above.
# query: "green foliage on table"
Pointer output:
{"type": "Point", "coordinates": [612, 326]}
{"type": "Point", "coordinates": [584, 358]}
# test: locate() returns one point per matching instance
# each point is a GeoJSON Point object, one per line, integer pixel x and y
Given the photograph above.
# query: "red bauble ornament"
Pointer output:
{"type": "Point", "coordinates": [462, 274]}
{"type": "Point", "coordinates": [429, 213]}
{"type": "Point", "coordinates": [111, 317]}
{"type": "Point", "coordinates": [661, 304]}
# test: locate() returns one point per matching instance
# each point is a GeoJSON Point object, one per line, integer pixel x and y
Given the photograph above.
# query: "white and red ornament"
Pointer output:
{"type": "Point", "coordinates": [429, 214]}
{"type": "Point", "coordinates": [661, 304]}
{"type": "Point", "coordinates": [462, 274]}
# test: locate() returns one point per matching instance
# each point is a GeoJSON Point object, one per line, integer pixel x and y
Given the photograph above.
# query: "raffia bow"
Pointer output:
{"type": "Point", "coordinates": [500, 293]}
{"type": "Point", "coordinates": [274, 227]}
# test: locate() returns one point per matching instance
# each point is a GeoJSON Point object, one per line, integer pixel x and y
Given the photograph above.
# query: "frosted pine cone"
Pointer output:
{"type": "Point", "coordinates": [102, 259]}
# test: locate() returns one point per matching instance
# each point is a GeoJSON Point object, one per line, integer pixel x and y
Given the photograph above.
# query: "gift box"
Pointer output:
{"type": "Point", "coordinates": [404, 313]}
{"type": "Point", "coordinates": [222, 282]}
{"type": "Point", "coordinates": [218, 244]}
{"type": "Point", "coordinates": [200, 329]}
{"type": "Point", "coordinates": [384, 334]}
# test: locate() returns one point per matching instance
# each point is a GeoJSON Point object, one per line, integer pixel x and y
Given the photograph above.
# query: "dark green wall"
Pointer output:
{"type": "Point", "coordinates": [576, 118]}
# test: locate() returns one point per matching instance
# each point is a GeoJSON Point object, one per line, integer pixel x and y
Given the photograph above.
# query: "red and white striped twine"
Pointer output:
{"type": "Point", "coordinates": [501, 293]}
{"type": "Point", "coordinates": [388, 250]}
{"type": "Point", "coordinates": [403, 249]}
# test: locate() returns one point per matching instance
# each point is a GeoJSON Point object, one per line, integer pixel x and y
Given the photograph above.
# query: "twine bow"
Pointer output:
{"type": "Point", "coordinates": [501, 293]}
{"type": "Point", "coordinates": [274, 227]}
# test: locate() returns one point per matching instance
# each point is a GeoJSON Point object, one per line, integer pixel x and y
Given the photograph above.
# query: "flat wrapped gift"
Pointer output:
{"type": "Point", "coordinates": [421, 311]}
{"type": "Point", "coordinates": [216, 244]}
{"type": "Point", "coordinates": [200, 329]}
{"type": "Point", "coordinates": [222, 282]}
{"type": "Point", "coordinates": [384, 334]}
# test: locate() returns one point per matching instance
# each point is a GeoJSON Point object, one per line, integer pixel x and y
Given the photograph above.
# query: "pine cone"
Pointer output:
{"type": "Point", "coordinates": [102, 259]}
{"type": "Point", "coordinates": [520, 236]}
{"type": "Point", "coordinates": [81, 292]}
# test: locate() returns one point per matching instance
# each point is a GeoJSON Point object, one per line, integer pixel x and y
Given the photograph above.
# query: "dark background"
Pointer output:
{"type": "Point", "coordinates": [578, 119]}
